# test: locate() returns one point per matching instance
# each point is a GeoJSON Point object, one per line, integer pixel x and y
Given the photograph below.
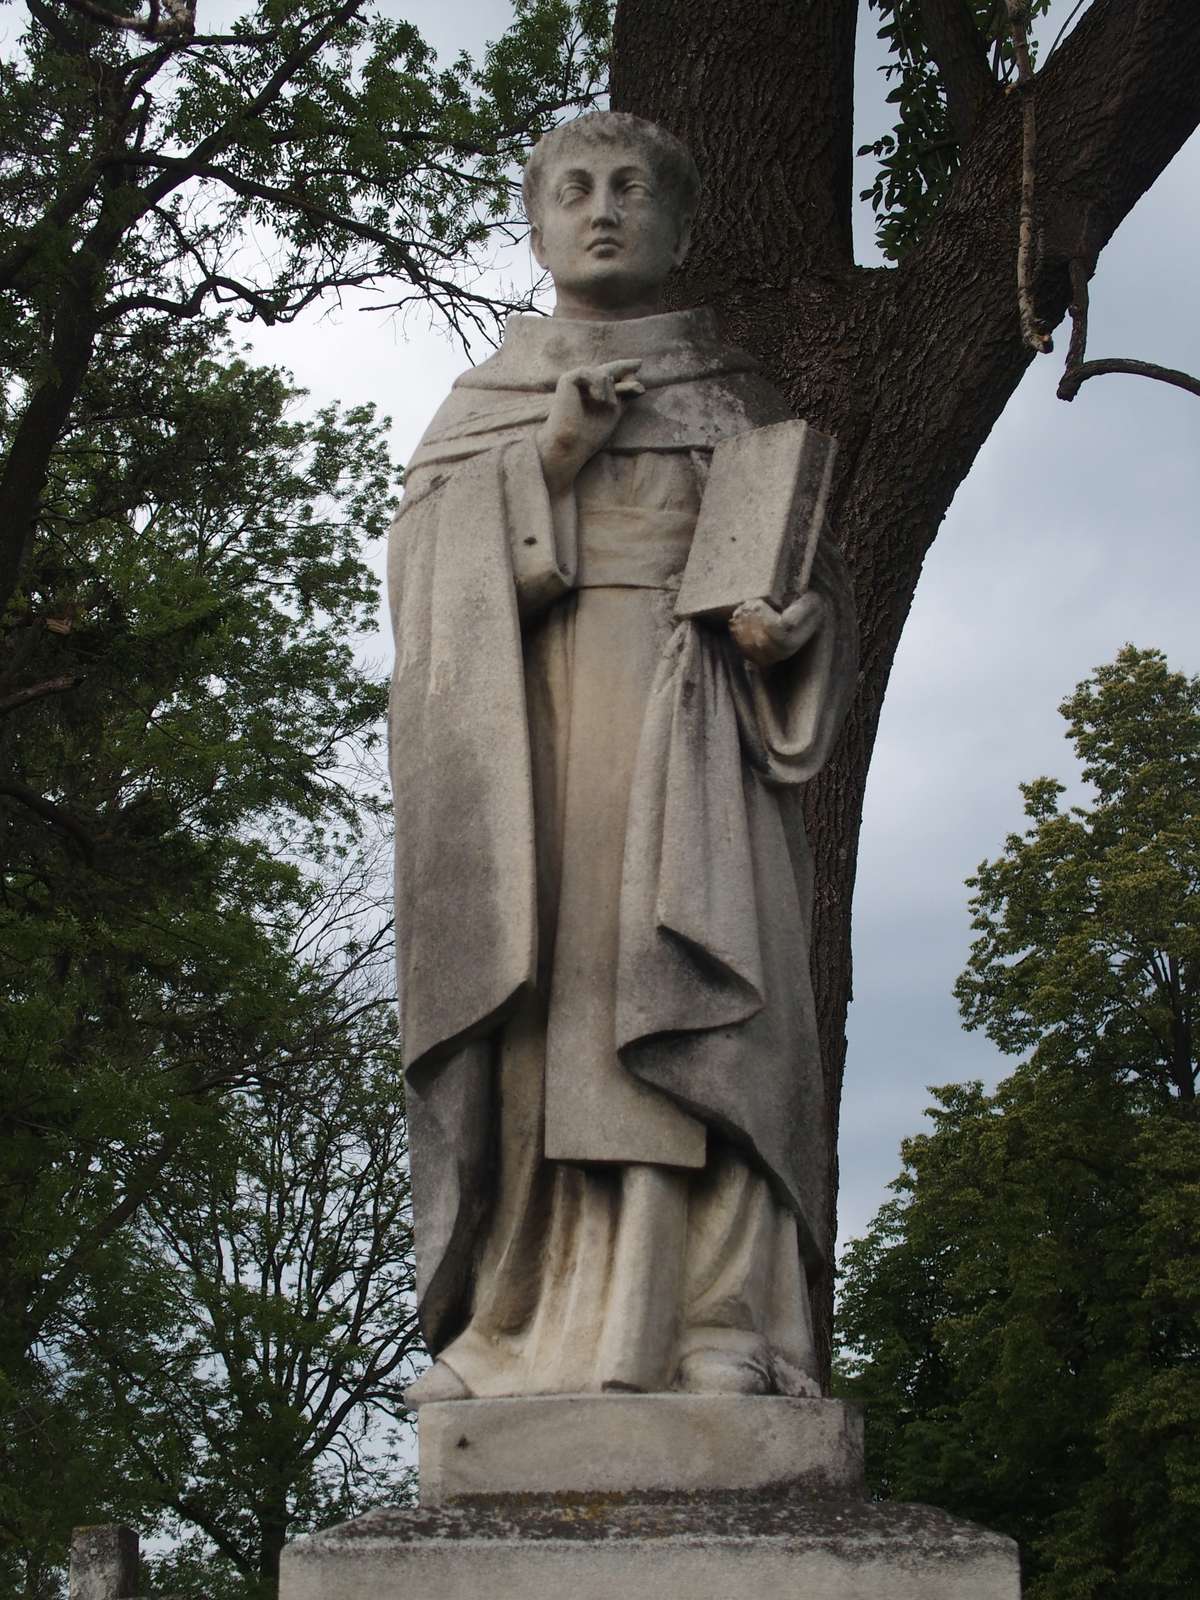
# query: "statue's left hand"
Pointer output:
{"type": "Point", "coordinates": [766, 636]}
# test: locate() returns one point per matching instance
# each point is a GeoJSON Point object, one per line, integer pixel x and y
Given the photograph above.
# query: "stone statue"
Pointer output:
{"type": "Point", "coordinates": [603, 886]}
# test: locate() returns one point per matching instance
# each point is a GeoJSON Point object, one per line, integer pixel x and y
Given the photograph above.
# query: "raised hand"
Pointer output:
{"type": "Point", "coordinates": [587, 405]}
{"type": "Point", "coordinates": [765, 636]}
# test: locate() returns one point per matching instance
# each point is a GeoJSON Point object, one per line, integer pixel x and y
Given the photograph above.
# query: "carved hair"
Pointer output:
{"type": "Point", "coordinates": [665, 155]}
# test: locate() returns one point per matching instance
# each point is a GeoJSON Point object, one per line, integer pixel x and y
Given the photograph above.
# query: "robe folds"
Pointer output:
{"type": "Point", "coordinates": [603, 886]}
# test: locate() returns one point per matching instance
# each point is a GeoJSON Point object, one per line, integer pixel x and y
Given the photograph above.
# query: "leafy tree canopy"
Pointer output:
{"type": "Point", "coordinates": [152, 170]}
{"type": "Point", "coordinates": [194, 740]}
{"type": "Point", "coordinates": [1089, 924]}
{"type": "Point", "coordinates": [1023, 1318]}
{"type": "Point", "coordinates": [919, 157]}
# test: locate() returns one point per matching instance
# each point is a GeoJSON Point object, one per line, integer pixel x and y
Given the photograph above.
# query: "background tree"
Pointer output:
{"type": "Point", "coordinates": [1024, 1317]}
{"type": "Point", "coordinates": [229, 1371]}
{"type": "Point", "coordinates": [908, 366]}
{"type": "Point", "coordinates": [151, 170]}
{"type": "Point", "coordinates": [1089, 924]}
{"type": "Point", "coordinates": [195, 764]}
{"type": "Point", "coordinates": [261, 1392]}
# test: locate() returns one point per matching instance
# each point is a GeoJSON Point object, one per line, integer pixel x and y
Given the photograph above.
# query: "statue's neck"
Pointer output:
{"type": "Point", "coordinates": [575, 308]}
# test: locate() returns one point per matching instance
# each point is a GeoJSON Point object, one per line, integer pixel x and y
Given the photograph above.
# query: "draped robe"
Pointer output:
{"type": "Point", "coordinates": [603, 890]}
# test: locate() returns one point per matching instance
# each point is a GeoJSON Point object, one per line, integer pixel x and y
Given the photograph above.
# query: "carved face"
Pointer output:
{"type": "Point", "coordinates": [608, 231]}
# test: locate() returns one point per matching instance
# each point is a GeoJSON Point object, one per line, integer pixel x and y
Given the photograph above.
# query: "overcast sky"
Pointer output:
{"type": "Point", "coordinates": [1075, 532]}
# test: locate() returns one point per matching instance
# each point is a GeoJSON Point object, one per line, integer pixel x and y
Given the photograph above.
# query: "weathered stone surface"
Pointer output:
{"type": "Point", "coordinates": [759, 522]}
{"type": "Point", "coordinates": [702, 1548]}
{"type": "Point", "coordinates": [104, 1563]}
{"type": "Point", "coordinates": [602, 878]}
{"type": "Point", "coordinates": [579, 1444]}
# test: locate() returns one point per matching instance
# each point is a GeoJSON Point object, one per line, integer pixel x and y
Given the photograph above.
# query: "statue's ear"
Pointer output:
{"type": "Point", "coordinates": [535, 244]}
{"type": "Point", "coordinates": [685, 239]}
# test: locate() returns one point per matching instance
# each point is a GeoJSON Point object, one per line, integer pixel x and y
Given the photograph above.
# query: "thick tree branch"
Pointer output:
{"type": "Point", "coordinates": [1117, 101]}
{"type": "Point", "coordinates": [24, 474]}
{"type": "Point", "coordinates": [37, 691]}
{"type": "Point", "coordinates": [69, 43]}
{"type": "Point", "coordinates": [55, 815]}
{"type": "Point", "coordinates": [172, 17]}
{"type": "Point", "coordinates": [957, 46]}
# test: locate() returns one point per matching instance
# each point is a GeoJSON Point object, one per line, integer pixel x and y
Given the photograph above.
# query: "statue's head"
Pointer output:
{"type": "Point", "coordinates": [610, 199]}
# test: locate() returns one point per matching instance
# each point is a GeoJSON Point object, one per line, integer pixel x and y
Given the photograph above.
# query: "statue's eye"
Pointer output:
{"type": "Point", "coordinates": [570, 192]}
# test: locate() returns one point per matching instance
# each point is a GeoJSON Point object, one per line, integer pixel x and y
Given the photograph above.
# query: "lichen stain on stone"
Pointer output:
{"type": "Point", "coordinates": [855, 1531]}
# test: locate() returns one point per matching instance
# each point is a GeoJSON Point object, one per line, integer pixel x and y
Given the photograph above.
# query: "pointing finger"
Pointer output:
{"type": "Point", "coordinates": [630, 388]}
{"type": "Point", "coordinates": [618, 369]}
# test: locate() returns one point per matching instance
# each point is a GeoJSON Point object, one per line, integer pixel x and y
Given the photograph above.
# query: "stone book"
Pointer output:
{"type": "Point", "coordinates": [760, 519]}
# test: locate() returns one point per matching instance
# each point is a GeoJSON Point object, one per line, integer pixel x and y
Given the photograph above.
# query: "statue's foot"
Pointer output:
{"type": "Point", "coordinates": [736, 1365]}
{"type": "Point", "coordinates": [794, 1381]}
{"type": "Point", "coordinates": [439, 1383]}
{"type": "Point", "coordinates": [722, 1372]}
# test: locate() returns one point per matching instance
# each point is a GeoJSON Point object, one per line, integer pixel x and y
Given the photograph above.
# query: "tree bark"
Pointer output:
{"type": "Point", "coordinates": [909, 367]}
{"type": "Point", "coordinates": [957, 46]}
{"type": "Point", "coordinates": [23, 478]}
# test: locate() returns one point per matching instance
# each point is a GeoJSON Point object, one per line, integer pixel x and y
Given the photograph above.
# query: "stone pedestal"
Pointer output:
{"type": "Point", "coordinates": [658, 1497]}
{"type": "Point", "coordinates": [628, 1444]}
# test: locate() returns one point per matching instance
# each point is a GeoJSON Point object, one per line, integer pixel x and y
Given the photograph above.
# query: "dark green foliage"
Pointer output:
{"type": "Point", "coordinates": [251, 1341]}
{"type": "Point", "coordinates": [193, 957]}
{"type": "Point", "coordinates": [1089, 924]}
{"type": "Point", "coordinates": [150, 175]}
{"type": "Point", "coordinates": [1024, 1317]}
{"type": "Point", "coordinates": [920, 156]}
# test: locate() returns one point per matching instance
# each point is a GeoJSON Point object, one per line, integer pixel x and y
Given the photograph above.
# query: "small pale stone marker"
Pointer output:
{"type": "Point", "coordinates": [104, 1563]}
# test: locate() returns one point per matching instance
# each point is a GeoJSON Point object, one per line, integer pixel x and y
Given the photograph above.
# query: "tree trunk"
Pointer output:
{"type": "Point", "coordinates": [909, 367]}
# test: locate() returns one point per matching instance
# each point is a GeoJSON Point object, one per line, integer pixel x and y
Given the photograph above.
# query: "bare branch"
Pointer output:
{"type": "Point", "coordinates": [267, 310]}
{"type": "Point", "coordinates": [1079, 316]}
{"type": "Point", "coordinates": [1072, 379]}
{"type": "Point", "coordinates": [1034, 335]}
{"type": "Point", "coordinates": [1078, 371]}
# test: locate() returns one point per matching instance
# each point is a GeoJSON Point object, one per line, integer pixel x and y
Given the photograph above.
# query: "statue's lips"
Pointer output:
{"type": "Point", "coordinates": [605, 244]}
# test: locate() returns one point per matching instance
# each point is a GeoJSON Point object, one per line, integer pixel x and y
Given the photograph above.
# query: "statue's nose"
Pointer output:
{"type": "Point", "coordinates": [605, 211]}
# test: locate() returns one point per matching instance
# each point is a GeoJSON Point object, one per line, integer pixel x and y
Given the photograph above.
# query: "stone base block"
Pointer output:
{"type": "Point", "coordinates": [739, 1547]}
{"type": "Point", "coordinates": [633, 1443]}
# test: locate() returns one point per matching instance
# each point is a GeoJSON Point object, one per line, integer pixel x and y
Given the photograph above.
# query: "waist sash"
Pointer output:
{"type": "Point", "coordinates": [629, 547]}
